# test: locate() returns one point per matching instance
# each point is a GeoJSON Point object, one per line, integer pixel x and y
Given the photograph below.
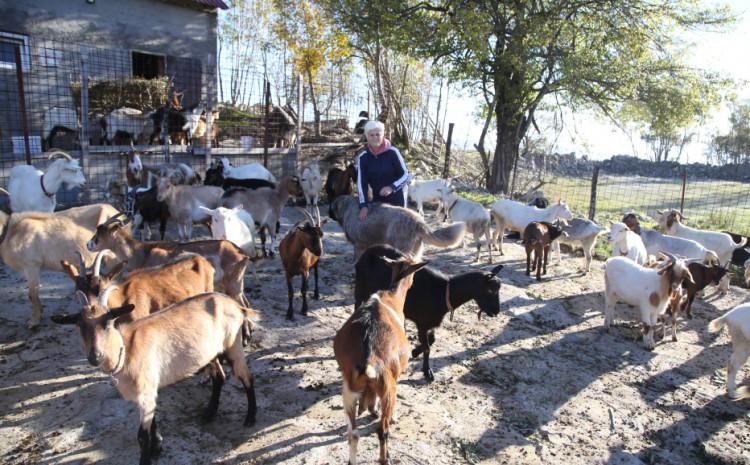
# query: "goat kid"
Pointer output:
{"type": "Point", "coordinates": [626, 243]}
{"type": "Point", "coordinates": [300, 250]}
{"type": "Point", "coordinates": [538, 237]}
{"type": "Point", "coordinates": [372, 351]}
{"type": "Point", "coordinates": [163, 348]}
{"type": "Point", "coordinates": [737, 322]}
{"type": "Point", "coordinates": [580, 231]}
{"type": "Point", "coordinates": [476, 217]}
{"type": "Point", "coordinates": [428, 191]}
{"type": "Point", "coordinates": [426, 303]}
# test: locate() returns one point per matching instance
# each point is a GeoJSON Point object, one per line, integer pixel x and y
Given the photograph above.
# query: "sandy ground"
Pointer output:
{"type": "Point", "coordinates": [539, 383]}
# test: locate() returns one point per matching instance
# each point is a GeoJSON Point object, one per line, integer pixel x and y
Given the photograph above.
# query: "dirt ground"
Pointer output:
{"type": "Point", "coordinates": [539, 383]}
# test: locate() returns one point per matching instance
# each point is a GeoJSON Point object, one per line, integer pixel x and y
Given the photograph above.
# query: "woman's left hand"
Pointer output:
{"type": "Point", "coordinates": [386, 191]}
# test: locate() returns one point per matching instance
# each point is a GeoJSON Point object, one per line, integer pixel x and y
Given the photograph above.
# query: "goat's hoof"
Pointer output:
{"type": "Point", "coordinates": [32, 325]}
{"type": "Point", "coordinates": [208, 416]}
{"type": "Point", "coordinates": [429, 376]}
{"type": "Point", "coordinates": [290, 316]}
{"type": "Point", "coordinates": [303, 312]}
{"type": "Point", "coordinates": [316, 296]}
{"type": "Point", "coordinates": [155, 449]}
{"type": "Point", "coordinates": [415, 352]}
{"type": "Point", "coordinates": [249, 421]}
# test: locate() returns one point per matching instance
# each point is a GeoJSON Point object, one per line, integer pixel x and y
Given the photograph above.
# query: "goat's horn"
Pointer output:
{"type": "Point", "coordinates": [82, 299]}
{"type": "Point", "coordinates": [82, 270]}
{"type": "Point", "coordinates": [308, 215]}
{"type": "Point", "coordinates": [61, 153]}
{"type": "Point", "coordinates": [681, 215]}
{"type": "Point", "coordinates": [113, 219]}
{"type": "Point", "coordinates": [4, 191]}
{"type": "Point", "coordinates": [98, 262]}
{"type": "Point", "coordinates": [104, 296]}
{"type": "Point", "coordinates": [657, 211]}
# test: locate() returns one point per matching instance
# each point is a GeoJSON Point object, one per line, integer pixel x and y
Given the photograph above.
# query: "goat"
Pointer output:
{"type": "Point", "coordinates": [747, 272]}
{"type": "Point", "coordinates": [59, 119]}
{"type": "Point", "coordinates": [249, 171]}
{"type": "Point", "coordinates": [428, 191]}
{"type": "Point", "coordinates": [163, 348]}
{"type": "Point", "coordinates": [149, 289]}
{"type": "Point", "coordinates": [184, 203]}
{"type": "Point", "coordinates": [236, 226]}
{"type": "Point", "coordinates": [626, 243]}
{"type": "Point", "coordinates": [512, 215]}
{"type": "Point", "coordinates": [264, 204]}
{"type": "Point", "coordinates": [740, 255]}
{"type": "Point", "coordinates": [703, 275]}
{"type": "Point", "coordinates": [404, 229]}
{"type": "Point", "coordinates": [476, 217]}
{"type": "Point", "coordinates": [312, 184]}
{"type": "Point", "coordinates": [538, 237]}
{"type": "Point", "coordinates": [340, 182]}
{"type": "Point", "coordinates": [128, 121]}
{"type": "Point", "coordinates": [650, 289]}
{"type": "Point", "coordinates": [656, 242]}
{"type": "Point", "coordinates": [138, 173]}
{"type": "Point", "coordinates": [180, 124]}
{"type": "Point", "coordinates": [148, 209]}
{"type": "Point", "coordinates": [300, 250]}
{"type": "Point", "coordinates": [580, 231]}
{"type": "Point", "coordinates": [228, 260]}
{"type": "Point", "coordinates": [737, 322]}
{"type": "Point", "coordinates": [33, 190]}
{"type": "Point", "coordinates": [199, 134]}
{"type": "Point", "coordinates": [426, 304]}
{"type": "Point", "coordinates": [372, 351]}
{"type": "Point", "coordinates": [718, 242]}
{"type": "Point", "coordinates": [215, 177]}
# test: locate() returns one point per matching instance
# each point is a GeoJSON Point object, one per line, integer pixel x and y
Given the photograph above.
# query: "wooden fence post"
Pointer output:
{"type": "Point", "coordinates": [268, 119]}
{"type": "Point", "coordinates": [446, 168]}
{"type": "Point", "coordinates": [592, 202]}
{"type": "Point", "coordinates": [22, 102]}
{"type": "Point", "coordinates": [84, 135]}
{"type": "Point", "coordinates": [684, 182]}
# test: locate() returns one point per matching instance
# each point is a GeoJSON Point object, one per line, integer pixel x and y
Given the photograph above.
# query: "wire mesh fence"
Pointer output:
{"type": "Point", "coordinates": [94, 102]}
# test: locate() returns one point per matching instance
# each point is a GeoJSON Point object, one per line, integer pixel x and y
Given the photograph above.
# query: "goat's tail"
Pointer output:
{"type": "Point", "coordinates": [716, 325]}
{"type": "Point", "coordinates": [711, 255]}
{"type": "Point", "coordinates": [444, 237]}
{"type": "Point", "coordinates": [742, 393]}
{"type": "Point", "coordinates": [368, 371]}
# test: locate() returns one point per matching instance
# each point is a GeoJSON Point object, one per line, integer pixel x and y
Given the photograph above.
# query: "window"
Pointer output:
{"type": "Point", "coordinates": [8, 43]}
{"type": "Point", "coordinates": [148, 66]}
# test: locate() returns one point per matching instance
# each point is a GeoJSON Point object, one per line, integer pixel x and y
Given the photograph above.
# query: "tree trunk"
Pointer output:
{"type": "Point", "coordinates": [506, 152]}
{"type": "Point", "coordinates": [314, 102]}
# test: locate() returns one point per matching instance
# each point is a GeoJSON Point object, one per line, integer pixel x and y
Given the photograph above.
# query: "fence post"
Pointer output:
{"type": "Point", "coordinates": [592, 202]}
{"type": "Point", "coordinates": [299, 124]}
{"type": "Point", "coordinates": [268, 117]}
{"type": "Point", "coordinates": [207, 139]}
{"type": "Point", "coordinates": [684, 182]}
{"type": "Point", "coordinates": [84, 137]}
{"type": "Point", "coordinates": [447, 166]}
{"type": "Point", "coordinates": [22, 102]}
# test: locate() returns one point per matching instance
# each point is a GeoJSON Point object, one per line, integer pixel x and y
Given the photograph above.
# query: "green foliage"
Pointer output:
{"type": "Point", "coordinates": [734, 147]}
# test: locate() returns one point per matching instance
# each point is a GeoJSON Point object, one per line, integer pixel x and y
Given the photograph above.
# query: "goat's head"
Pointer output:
{"type": "Point", "coordinates": [676, 272]}
{"type": "Point", "coordinates": [91, 282]}
{"type": "Point", "coordinates": [294, 184]}
{"type": "Point", "coordinates": [135, 167]}
{"type": "Point", "coordinates": [312, 233]}
{"type": "Point", "coordinates": [224, 221]}
{"type": "Point", "coordinates": [105, 236]}
{"type": "Point", "coordinates": [617, 232]}
{"type": "Point", "coordinates": [214, 175]}
{"type": "Point", "coordinates": [403, 270]}
{"type": "Point", "coordinates": [631, 221]}
{"type": "Point", "coordinates": [488, 297]}
{"type": "Point", "coordinates": [67, 168]}
{"type": "Point", "coordinates": [562, 211]}
{"type": "Point", "coordinates": [226, 166]}
{"type": "Point", "coordinates": [164, 187]}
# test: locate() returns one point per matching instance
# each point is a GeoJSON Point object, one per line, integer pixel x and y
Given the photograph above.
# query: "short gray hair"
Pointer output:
{"type": "Point", "coordinates": [374, 125]}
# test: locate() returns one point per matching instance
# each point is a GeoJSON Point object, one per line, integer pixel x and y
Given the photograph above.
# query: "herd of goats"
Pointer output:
{"type": "Point", "coordinates": [162, 321]}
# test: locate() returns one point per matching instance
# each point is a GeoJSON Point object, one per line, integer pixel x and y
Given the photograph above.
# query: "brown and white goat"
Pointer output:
{"type": "Point", "coordinates": [538, 237]}
{"type": "Point", "coordinates": [184, 203]}
{"type": "Point", "coordinates": [163, 348]}
{"type": "Point", "coordinates": [149, 289]}
{"type": "Point", "coordinates": [737, 322]}
{"type": "Point", "coordinates": [372, 351]}
{"type": "Point", "coordinates": [228, 260]}
{"type": "Point", "coordinates": [300, 250]}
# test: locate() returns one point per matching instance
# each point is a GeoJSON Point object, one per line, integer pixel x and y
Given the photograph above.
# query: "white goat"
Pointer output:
{"type": "Point", "coordinates": [236, 226]}
{"type": "Point", "coordinates": [626, 243]}
{"type": "Point", "coordinates": [580, 231]}
{"type": "Point", "coordinates": [32, 190]}
{"type": "Point", "coordinates": [249, 171]}
{"type": "Point", "coordinates": [184, 202]}
{"type": "Point", "coordinates": [427, 191]}
{"type": "Point", "coordinates": [515, 216]}
{"type": "Point", "coordinates": [738, 322]}
{"type": "Point", "coordinates": [126, 120]}
{"type": "Point", "coordinates": [718, 242]}
{"type": "Point", "coordinates": [476, 217]}
{"type": "Point", "coordinates": [649, 289]}
{"type": "Point", "coordinates": [312, 184]}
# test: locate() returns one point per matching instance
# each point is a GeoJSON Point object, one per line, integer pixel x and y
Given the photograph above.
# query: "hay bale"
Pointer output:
{"type": "Point", "coordinates": [107, 95]}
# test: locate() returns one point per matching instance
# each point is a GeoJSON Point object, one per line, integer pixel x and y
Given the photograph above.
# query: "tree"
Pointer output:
{"type": "Point", "coordinates": [315, 45]}
{"type": "Point", "coordinates": [733, 147]}
{"type": "Point", "coordinates": [588, 54]}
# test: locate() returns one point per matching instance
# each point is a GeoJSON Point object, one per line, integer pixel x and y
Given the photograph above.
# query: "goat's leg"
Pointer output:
{"type": "Point", "coordinates": [528, 263]}
{"type": "Point", "coordinates": [147, 406]}
{"type": "Point", "coordinates": [387, 406]}
{"type": "Point", "coordinates": [316, 295]}
{"type": "Point", "coordinates": [305, 279]}
{"type": "Point", "coordinates": [424, 347]}
{"type": "Point", "coordinates": [538, 260]}
{"type": "Point", "coordinates": [487, 235]}
{"type": "Point", "coordinates": [155, 440]}
{"type": "Point", "coordinates": [217, 381]}
{"type": "Point", "coordinates": [739, 355]}
{"type": "Point", "coordinates": [236, 357]}
{"type": "Point", "coordinates": [32, 278]}
{"type": "Point", "coordinates": [546, 257]}
{"type": "Point", "coordinates": [290, 293]}
{"type": "Point", "coordinates": [262, 231]}
{"type": "Point", "coordinates": [350, 404]}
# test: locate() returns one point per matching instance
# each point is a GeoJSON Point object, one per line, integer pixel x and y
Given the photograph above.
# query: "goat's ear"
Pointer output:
{"type": "Point", "coordinates": [689, 278]}
{"type": "Point", "coordinates": [69, 319]}
{"type": "Point", "coordinates": [238, 207]}
{"type": "Point", "coordinates": [205, 209]}
{"type": "Point", "coordinates": [413, 268]}
{"type": "Point", "coordinates": [323, 223]}
{"type": "Point", "coordinates": [657, 211]}
{"type": "Point", "coordinates": [116, 270]}
{"type": "Point", "coordinates": [495, 271]}
{"type": "Point", "coordinates": [117, 312]}
{"type": "Point", "coordinates": [69, 269]}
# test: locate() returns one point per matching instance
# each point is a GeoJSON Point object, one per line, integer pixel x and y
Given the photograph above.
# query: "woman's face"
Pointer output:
{"type": "Point", "coordinates": [375, 137]}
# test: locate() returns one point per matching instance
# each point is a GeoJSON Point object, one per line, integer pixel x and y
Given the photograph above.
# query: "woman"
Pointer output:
{"type": "Point", "coordinates": [382, 168]}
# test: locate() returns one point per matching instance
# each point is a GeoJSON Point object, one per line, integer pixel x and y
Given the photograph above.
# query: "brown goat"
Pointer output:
{"type": "Point", "coordinates": [228, 260]}
{"type": "Point", "coordinates": [538, 237]}
{"type": "Point", "coordinates": [300, 250]}
{"type": "Point", "coordinates": [149, 289]}
{"type": "Point", "coordinates": [372, 351]}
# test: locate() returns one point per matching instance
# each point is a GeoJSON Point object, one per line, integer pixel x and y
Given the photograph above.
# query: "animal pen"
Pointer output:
{"type": "Point", "coordinates": [43, 104]}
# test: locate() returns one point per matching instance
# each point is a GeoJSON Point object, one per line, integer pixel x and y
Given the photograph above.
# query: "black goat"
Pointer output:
{"type": "Point", "coordinates": [340, 182]}
{"type": "Point", "coordinates": [703, 275]}
{"type": "Point", "coordinates": [739, 256]}
{"type": "Point", "coordinates": [148, 209]}
{"type": "Point", "coordinates": [431, 297]}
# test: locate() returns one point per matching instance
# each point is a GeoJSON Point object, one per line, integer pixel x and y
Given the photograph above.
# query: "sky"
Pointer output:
{"type": "Point", "coordinates": [585, 135]}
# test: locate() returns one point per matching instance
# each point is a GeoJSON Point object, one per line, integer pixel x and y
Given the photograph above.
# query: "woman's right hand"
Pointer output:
{"type": "Point", "coordinates": [363, 213]}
